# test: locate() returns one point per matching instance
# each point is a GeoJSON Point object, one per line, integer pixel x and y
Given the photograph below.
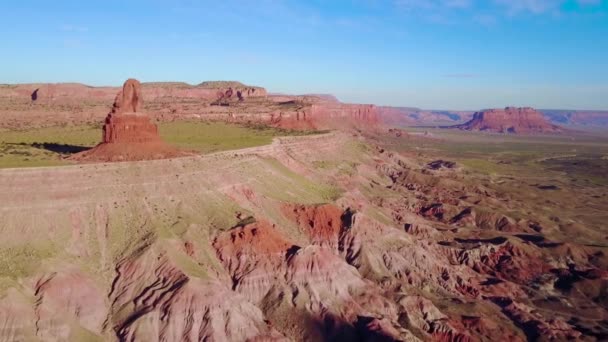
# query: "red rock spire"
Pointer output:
{"type": "Point", "coordinates": [128, 133]}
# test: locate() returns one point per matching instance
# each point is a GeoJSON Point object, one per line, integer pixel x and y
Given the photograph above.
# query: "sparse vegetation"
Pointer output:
{"type": "Point", "coordinates": [221, 84]}
{"type": "Point", "coordinates": [47, 146]}
{"type": "Point", "coordinates": [19, 261]}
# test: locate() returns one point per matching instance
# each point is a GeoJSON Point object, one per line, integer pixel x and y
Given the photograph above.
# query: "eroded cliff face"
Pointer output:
{"type": "Point", "coordinates": [510, 120]}
{"type": "Point", "coordinates": [72, 92]}
{"type": "Point", "coordinates": [33, 105]}
{"type": "Point", "coordinates": [323, 114]}
{"type": "Point", "coordinates": [311, 238]}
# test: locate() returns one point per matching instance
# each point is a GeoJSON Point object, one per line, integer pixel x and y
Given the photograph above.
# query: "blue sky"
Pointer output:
{"type": "Point", "coordinates": [437, 54]}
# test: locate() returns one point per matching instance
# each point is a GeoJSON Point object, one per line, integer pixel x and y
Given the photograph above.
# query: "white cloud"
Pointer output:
{"type": "Point", "coordinates": [434, 11]}
{"type": "Point", "coordinates": [533, 6]}
{"type": "Point", "coordinates": [539, 6]}
{"type": "Point", "coordinates": [432, 4]}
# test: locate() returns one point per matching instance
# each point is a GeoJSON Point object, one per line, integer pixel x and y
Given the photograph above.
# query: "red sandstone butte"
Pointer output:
{"type": "Point", "coordinates": [128, 134]}
{"type": "Point", "coordinates": [510, 120]}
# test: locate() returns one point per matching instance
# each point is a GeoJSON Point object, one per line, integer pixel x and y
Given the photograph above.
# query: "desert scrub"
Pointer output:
{"type": "Point", "coordinates": [283, 184]}
{"type": "Point", "coordinates": [46, 146]}
{"type": "Point", "coordinates": [20, 261]}
{"type": "Point", "coordinates": [331, 193]}
{"type": "Point", "coordinates": [209, 137]}
{"type": "Point", "coordinates": [348, 169]}
{"type": "Point", "coordinates": [323, 164]}
{"type": "Point", "coordinates": [277, 131]}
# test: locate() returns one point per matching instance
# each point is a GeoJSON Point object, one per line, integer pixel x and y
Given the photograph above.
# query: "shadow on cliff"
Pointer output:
{"type": "Point", "coordinates": [334, 328]}
{"type": "Point", "coordinates": [57, 148]}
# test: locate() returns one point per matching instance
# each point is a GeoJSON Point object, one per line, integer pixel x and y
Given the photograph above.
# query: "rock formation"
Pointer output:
{"type": "Point", "coordinates": [128, 134]}
{"type": "Point", "coordinates": [28, 105]}
{"type": "Point", "coordinates": [72, 92]}
{"type": "Point", "coordinates": [328, 115]}
{"type": "Point", "coordinates": [126, 123]}
{"type": "Point", "coordinates": [510, 120]}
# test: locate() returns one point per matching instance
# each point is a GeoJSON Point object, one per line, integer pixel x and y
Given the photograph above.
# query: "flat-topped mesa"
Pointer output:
{"type": "Point", "coordinates": [510, 120]}
{"type": "Point", "coordinates": [128, 134]}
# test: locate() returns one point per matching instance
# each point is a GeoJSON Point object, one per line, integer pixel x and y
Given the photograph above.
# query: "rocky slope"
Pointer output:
{"type": "Point", "coordinates": [324, 237]}
{"type": "Point", "coordinates": [510, 120]}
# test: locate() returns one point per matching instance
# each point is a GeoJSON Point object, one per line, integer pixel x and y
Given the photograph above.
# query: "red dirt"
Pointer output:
{"type": "Point", "coordinates": [260, 238]}
{"type": "Point", "coordinates": [322, 223]}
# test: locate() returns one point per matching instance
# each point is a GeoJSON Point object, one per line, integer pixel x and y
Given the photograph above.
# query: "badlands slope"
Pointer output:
{"type": "Point", "coordinates": [310, 238]}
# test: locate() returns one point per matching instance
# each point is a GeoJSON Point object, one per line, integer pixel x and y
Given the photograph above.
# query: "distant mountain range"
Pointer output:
{"type": "Point", "coordinates": [595, 118]}
{"type": "Point", "coordinates": [411, 116]}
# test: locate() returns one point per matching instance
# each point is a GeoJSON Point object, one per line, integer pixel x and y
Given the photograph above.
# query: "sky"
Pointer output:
{"type": "Point", "coordinates": [433, 54]}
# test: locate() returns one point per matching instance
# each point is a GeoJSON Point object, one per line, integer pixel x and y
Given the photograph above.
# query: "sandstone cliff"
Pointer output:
{"type": "Point", "coordinates": [73, 92]}
{"type": "Point", "coordinates": [27, 105]}
{"type": "Point", "coordinates": [510, 120]}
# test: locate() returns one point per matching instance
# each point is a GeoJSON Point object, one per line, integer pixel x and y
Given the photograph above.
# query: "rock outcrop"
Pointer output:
{"type": "Point", "coordinates": [128, 134]}
{"type": "Point", "coordinates": [73, 92]}
{"type": "Point", "coordinates": [510, 120]}
{"type": "Point", "coordinates": [126, 123]}
{"type": "Point", "coordinates": [328, 115]}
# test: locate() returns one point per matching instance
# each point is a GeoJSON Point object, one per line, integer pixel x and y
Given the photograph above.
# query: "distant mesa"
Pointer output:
{"type": "Point", "coordinates": [509, 120]}
{"type": "Point", "coordinates": [580, 118]}
{"type": "Point", "coordinates": [128, 133]}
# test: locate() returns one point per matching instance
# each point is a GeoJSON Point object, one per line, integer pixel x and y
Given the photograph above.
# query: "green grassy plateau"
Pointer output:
{"type": "Point", "coordinates": [48, 146]}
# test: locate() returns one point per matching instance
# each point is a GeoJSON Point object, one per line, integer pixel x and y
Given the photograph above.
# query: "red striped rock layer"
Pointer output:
{"type": "Point", "coordinates": [129, 128]}
{"type": "Point", "coordinates": [328, 115]}
{"type": "Point", "coordinates": [70, 92]}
